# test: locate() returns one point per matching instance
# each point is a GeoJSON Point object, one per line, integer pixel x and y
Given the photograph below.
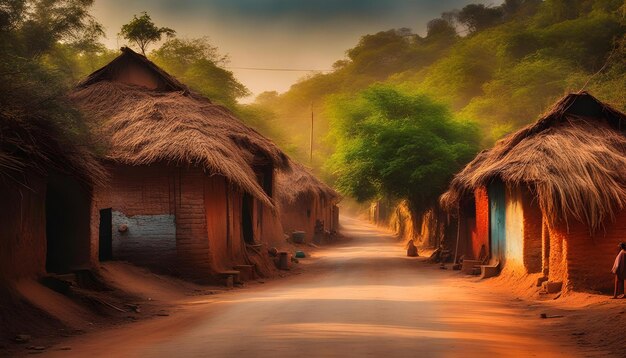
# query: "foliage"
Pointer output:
{"type": "Point", "coordinates": [142, 31]}
{"type": "Point", "coordinates": [394, 143]}
{"type": "Point", "coordinates": [502, 74]}
{"type": "Point", "coordinates": [198, 64]}
{"type": "Point", "coordinates": [32, 87]}
{"type": "Point", "coordinates": [477, 17]}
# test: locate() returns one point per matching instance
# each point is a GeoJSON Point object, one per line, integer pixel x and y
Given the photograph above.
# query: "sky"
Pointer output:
{"type": "Point", "coordinates": [276, 34]}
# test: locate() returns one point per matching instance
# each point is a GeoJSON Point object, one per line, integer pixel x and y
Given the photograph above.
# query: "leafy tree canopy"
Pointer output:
{"type": "Point", "coordinates": [142, 32]}
{"type": "Point", "coordinates": [198, 64]}
{"type": "Point", "coordinates": [32, 86]}
{"type": "Point", "coordinates": [395, 143]}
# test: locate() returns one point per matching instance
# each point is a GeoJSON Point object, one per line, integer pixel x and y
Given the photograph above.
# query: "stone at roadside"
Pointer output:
{"type": "Point", "coordinates": [22, 338]}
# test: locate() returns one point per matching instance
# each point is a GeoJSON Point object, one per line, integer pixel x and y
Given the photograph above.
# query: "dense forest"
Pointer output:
{"type": "Point", "coordinates": [396, 117]}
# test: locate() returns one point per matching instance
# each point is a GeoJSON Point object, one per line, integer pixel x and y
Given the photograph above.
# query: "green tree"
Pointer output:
{"type": "Point", "coordinates": [32, 87]}
{"type": "Point", "coordinates": [398, 144]}
{"type": "Point", "coordinates": [142, 32]}
{"type": "Point", "coordinates": [477, 17]}
{"type": "Point", "coordinates": [198, 64]}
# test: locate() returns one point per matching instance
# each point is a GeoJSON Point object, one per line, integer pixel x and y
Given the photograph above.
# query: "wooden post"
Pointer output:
{"type": "Point", "coordinates": [311, 138]}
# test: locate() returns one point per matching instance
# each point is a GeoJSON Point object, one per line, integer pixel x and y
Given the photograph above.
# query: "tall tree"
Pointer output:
{"type": "Point", "coordinates": [397, 144]}
{"type": "Point", "coordinates": [142, 32]}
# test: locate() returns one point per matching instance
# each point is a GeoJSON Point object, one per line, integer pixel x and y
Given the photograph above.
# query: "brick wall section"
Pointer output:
{"type": "Point", "coordinates": [558, 254]}
{"type": "Point", "coordinates": [481, 234]}
{"type": "Point", "coordinates": [532, 233]}
{"type": "Point", "coordinates": [142, 190]}
{"type": "Point", "coordinates": [294, 217]}
{"type": "Point", "coordinates": [191, 227]}
{"type": "Point", "coordinates": [217, 219]}
{"type": "Point", "coordinates": [149, 241]}
{"type": "Point", "coordinates": [142, 197]}
{"type": "Point", "coordinates": [23, 230]}
{"type": "Point", "coordinates": [514, 229]}
{"type": "Point", "coordinates": [590, 257]}
{"type": "Point", "coordinates": [236, 242]}
{"type": "Point", "coordinates": [273, 232]}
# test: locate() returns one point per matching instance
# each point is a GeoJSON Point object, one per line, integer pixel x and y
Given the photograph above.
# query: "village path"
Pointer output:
{"type": "Point", "coordinates": [360, 298]}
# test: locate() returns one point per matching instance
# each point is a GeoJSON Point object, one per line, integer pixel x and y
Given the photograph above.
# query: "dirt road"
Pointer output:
{"type": "Point", "coordinates": [362, 298]}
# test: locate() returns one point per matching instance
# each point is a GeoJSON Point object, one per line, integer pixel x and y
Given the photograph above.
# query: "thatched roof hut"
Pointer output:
{"type": "Point", "coordinates": [573, 159]}
{"type": "Point", "coordinates": [306, 203]}
{"type": "Point", "coordinates": [299, 182]}
{"type": "Point", "coordinates": [46, 184]}
{"type": "Point", "coordinates": [166, 122]}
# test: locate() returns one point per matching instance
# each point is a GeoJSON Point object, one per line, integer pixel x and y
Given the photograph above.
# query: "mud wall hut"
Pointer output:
{"type": "Point", "coordinates": [191, 186]}
{"type": "Point", "coordinates": [45, 186]}
{"type": "Point", "coordinates": [305, 200]}
{"type": "Point", "coordinates": [556, 191]}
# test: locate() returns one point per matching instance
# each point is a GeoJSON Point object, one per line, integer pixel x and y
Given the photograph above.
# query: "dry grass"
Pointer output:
{"type": "Point", "coordinates": [141, 127]}
{"type": "Point", "coordinates": [573, 159]}
{"type": "Point", "coordinates": [300, 182]}
{"type": "Point", "coordinates": [36, 145]}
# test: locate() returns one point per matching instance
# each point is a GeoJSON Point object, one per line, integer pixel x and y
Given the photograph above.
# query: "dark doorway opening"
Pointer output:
{"type": "Point", "coordinates": [246, 219]}
{"type": "Point", "coordinates": [67, 224]}
{"type": "Point", "coordinates": [105, 236]}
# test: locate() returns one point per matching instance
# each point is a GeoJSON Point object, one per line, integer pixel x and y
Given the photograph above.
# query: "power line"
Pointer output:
{"type": "Point", "coordinates": [276, 69]}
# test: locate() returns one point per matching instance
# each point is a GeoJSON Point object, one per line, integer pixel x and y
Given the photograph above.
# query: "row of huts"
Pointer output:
{"type": "Point", "coordinates": [549, 199]}
{"type": "Point", "coordinates": [180, 185]}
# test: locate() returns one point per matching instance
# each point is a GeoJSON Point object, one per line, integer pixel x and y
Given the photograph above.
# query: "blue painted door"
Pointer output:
{"type": "Point", "coordinates": [497, 219]}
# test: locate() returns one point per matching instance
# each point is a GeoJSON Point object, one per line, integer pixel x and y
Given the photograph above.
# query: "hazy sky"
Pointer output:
{"type": "Point", "coordinates": [291, 34]}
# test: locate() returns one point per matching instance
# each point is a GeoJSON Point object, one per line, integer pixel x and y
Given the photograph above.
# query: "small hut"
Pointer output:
{"type": "Point", "coordinates": [45, 186]}
{"type": "Point", "coordinates": [191, 186]}
{"type": "Point", "coordinates": [306, 201]}
{"type": "Point", "coordinates": [550, 198]}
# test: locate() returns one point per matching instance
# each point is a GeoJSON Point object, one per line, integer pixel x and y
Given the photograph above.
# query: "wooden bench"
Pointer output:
{"type": "Point", "coordinates": [491, 270]}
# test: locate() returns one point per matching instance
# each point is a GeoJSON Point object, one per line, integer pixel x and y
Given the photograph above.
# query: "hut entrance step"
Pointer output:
{"type": "Point", "coordinates": [246, 272]}
{"type": "Point", "coordinates": [491, 270]}
{"type": "Point", "coordinates": [469, 267]}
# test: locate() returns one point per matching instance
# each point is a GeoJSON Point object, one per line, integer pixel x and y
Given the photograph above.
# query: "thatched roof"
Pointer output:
{"type": "Point", "coordinates": [173, 125]}
{"type": "Point", "coordinates": [36, 145]}
{"type": "Point", "coordinates": [299, 183]}
{"type": "Point", "coordinates": [165, 81]}
{"type": "Point", "coordinates": [573, 159]}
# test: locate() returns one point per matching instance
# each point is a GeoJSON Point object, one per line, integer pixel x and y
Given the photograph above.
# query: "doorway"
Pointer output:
{"type": "Point", "coordinates": [105, 236]}
{"type": "Point", "coordinates": [246, 219]}
{"type": "Point", "coordinates": [67, 224]}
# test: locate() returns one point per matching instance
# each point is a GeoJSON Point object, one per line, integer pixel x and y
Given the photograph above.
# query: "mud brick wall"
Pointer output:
{"type": "Point", "coordinates": [150, 240]}
{"type": "Point", "coordinates": [558, 254]}
{"type": "Point", "coordinates": [294, 217]}
{"type": "Point", "coordinates": [217, 219]}
{"type": "Point", "coordinates": [533, 221]}
{"type": "Point", "coordinates": [514, 229]}
{"type": "Point", "coordinates": [142, 198]}
{"type": "Point", "coordinates": [194, 259]}
{"type": "Point", "coordinates": [481, 234]}
{"type": "Point", "coordinates": [23, 229]}
{"type": "Point", "coordinates": [590, 257]}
